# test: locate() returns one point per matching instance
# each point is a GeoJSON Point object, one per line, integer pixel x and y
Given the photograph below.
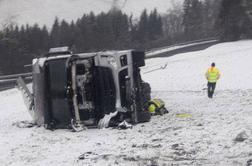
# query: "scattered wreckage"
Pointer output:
{"type": "Point", "coordinates": [86, 90]}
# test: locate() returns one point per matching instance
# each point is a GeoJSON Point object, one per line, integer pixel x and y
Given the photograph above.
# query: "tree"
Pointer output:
{"type": "Point", "coordinates": [248, 6]}
{"type": "Point", "coordinates": [36, 39]}
{"type": "Point", "coordinates": [142, 32]}
{"type": "Point", "coordinates": [11, 62]}
{"type": "Point", "coordinates": [209, 15]}
{"type": "Point", "coordinates": [232, 22]}
{"type": "Point", "coordinates": [120, 28]}
{"type": "Point", "coordinates": [111, 30]}
{"type": "Point", "coordinates": [85, 27]}
{"type": "Point", "coordinates": [66, 34]}
{"type": "Point", "coordinates": [173, 23]}
{"type": "Point", "coordinates": [154, 25]}
{"type": "Point", "coordinates": [103, 32]}
{"type": "Point", "coordinates": [192, 19]}
{"type": "Point", "coordinates": [55, 33]}
{"type": "Point", "coordinates": [45, 39]}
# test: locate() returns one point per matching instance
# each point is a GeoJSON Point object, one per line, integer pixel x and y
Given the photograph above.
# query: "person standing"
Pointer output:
{"type": "Point", "coordinates": [212, 76]}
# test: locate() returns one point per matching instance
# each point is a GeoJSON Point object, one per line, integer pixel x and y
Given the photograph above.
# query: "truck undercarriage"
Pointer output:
{"type": "Point", "coordinates": [85, 90]}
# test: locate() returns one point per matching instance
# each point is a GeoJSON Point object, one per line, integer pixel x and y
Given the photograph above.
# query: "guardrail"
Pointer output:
{"type": "Point", "coordinates": [15, 76]}
{"type": "Point", "coordinates": [183, 43]}
{"type": "Point", "coordinates": [180, 48]}
{"type": "Point", "coordinates": [9, 81]}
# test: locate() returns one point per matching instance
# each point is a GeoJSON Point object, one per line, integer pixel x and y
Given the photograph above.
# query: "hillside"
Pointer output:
{"type": "Point", "coordinates": [208, 135]}
{"type": "Point", "coordinates": [186, 71]}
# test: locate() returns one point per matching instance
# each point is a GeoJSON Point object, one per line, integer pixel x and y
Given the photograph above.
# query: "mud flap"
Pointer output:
{"type": "Point", "coordinates": [27, 96]}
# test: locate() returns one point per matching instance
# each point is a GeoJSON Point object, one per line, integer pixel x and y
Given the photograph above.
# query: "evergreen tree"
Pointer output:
{"type": "Point", "coordinates": [36, 40]}
{"type": "Point", "coordinates": [103, 32]}
{"type": "Point", "coordinates": [45, 39]}
{"type": "Point", "coordinates": [154, 25]}
{"type": "Point", "coordinates": [192, 19]}
{"type": "Point", "coordinates": [86, 31]}
{"type": "Point", "coordinates": [112, 30]}
{"type": "Point", "coordinates": [78, 40]}
{"type": "Point", "coordinates": [142, 32]}
{"type": "Point", "coordinates": [89, 37]}
{"type": "Point", "coordinates": [249, 18]}
{"type": "Point", "coordinates": [120, 28]}
{"type": "Point", "coordinates": [11, 60]}
{"type": "Point", "coordinates": [55, 33]}
{"type": "Point", "coordinates": [210, 14]}
{"type": "Point", "coordinates": [232, 20]}
{"type": "Point", "coordinates": [66, 34]}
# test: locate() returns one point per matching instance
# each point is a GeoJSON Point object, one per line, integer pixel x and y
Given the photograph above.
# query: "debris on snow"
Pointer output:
{"type": "Point", "coordinates": [24, 124]}
{"type": "Point", "coordinates": [241, 137]}
{"type": "Point", "coordinates": [125, 125]}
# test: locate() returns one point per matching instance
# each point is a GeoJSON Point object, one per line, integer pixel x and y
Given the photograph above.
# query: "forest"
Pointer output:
{"type": "Point", "coordinates": [225, 20]}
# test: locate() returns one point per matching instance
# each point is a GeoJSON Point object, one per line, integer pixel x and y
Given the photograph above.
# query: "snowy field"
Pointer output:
{"type": "Point", "coordinates": [214, 131]}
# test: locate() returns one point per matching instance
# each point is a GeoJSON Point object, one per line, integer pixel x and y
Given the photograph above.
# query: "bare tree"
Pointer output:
{"type": "Point", "coordinates": [172, 21]}
{"type": "Point", "coordinates": [8, 22]}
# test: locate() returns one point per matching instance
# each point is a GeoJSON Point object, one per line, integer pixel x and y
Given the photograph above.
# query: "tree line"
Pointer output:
{"type": "Point", "coordinates": [227, 20]}
{"type": "Point", "coordinates": [111, 30]}
{"type": "Point", "coordinates": [224, 19]}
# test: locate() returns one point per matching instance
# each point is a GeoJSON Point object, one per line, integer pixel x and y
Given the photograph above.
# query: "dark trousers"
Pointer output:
{"type": "Point", "coordinates": [210, 89]}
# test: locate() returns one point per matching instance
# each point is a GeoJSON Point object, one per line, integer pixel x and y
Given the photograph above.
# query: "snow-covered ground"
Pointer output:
{"type": "Point", "coordinates": [207, 135]}
{"type": "Point", "coordinates": [186, 71]}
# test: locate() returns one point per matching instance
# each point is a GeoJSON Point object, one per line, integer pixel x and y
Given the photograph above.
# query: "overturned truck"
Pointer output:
{"type": "Point", "coordinates": [85, 90]}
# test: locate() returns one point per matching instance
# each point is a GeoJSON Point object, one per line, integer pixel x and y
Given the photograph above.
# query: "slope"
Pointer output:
{"type": "Point", "coordinates": [186, 71]}
{"type": "Point", "coordinates": [206, 137]}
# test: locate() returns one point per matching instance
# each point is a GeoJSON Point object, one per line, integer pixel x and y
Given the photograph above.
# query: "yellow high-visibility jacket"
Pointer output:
{"type": "Point", "coordinates": [155, 105]}
{"type": "Point", "coordinates": [212, 74]}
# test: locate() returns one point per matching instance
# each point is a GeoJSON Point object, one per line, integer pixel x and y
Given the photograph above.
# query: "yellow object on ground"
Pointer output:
{"type": "Point", "coordinates": [183, 115]}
